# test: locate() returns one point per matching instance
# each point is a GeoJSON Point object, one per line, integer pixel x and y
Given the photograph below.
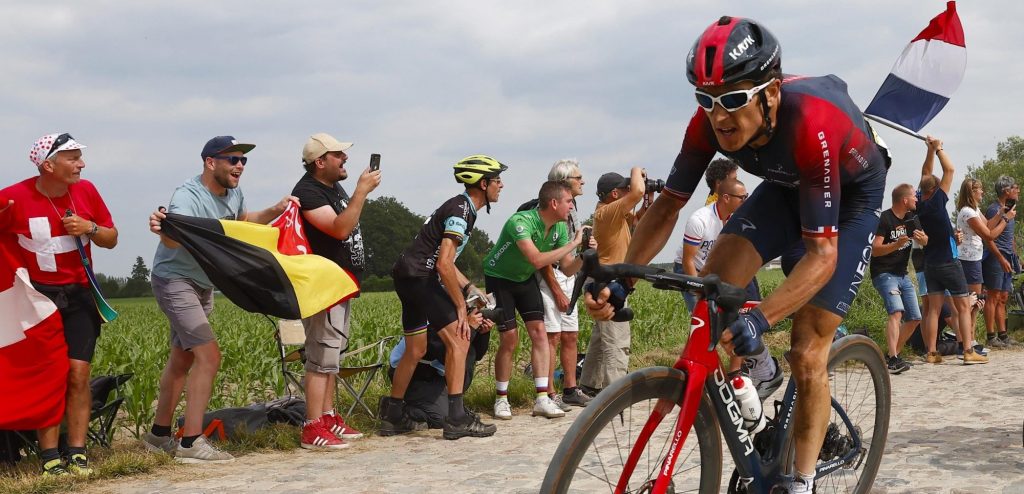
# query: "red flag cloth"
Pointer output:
{"type": "Point", "coordinates": [33, 352]}
{"type": "Point", "coordinates": [292, 240]}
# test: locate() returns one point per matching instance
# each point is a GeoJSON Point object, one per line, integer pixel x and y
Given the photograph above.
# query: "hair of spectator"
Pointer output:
{"type": "Point", "coordinates": [928, 184]}
{"type": "Point", "coordinates": [551, 191]}
{"type": "Point", "coordinates": [901, 191]}
{"type": "Point", "coordinates": [730, 186]}
{"type": "Point", "coordinates": [1003, 185]}
{"type": "Point", "coordinates": [719, 170]}
{"type": "Point", "coordinates": [966, 196]}
{"type": "Point", "coordinates": [563, 169]}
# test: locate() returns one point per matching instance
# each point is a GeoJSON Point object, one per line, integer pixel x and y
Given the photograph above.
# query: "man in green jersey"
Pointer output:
{"type": "Point", "coordinates": [529, 241]}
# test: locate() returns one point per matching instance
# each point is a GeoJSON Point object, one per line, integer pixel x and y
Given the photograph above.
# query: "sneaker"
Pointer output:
{"type": "Point", "coordinates": [766, 388]}
{"type": "Point", "coordinates": [393, 420]}
{"type": "Point", "coordinates": [337, 426]}
{"type": "Point", "coordinates": [959, 351]}
{"type": "Point", "coordinates": [78, 464]}
{"type": "Point", "coordinates": [544, 407]}
{"type": "Point", "coordinates": [576, 397]}
{"type": "Point", "coordinates": [971, 357]}
{"type": "Point", "coordinates": [157, 444]}
{"type": "Point", "coordinates": [55, 468]}
{"type": "Point", "coordinates": [933, 358]}
{"type": "Point", "coordinates": [995, 342]}
{"type": "Point", "coordinates": [502, 410]}
{"type": "Point", "coordinates": [896, 365]}
{"type": "Point", "coordinates": [1007, 340]}
{"type": "Point", "coordinates": [316, 435]}
{"type": "Point", "coordinates": [980, 350]}
{"type": "Point", "coordinates": [201, 452]}
{"type": "Point", "coordinates": [472, 428]}
{"type": "Point", "coordinates": [557, 400]}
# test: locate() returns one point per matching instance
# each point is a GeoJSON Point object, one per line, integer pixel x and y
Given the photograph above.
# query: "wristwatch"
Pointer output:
{"type": "Point", "coordinates": [95, 228]}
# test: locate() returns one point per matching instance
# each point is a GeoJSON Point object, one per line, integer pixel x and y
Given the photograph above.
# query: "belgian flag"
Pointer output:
{"type": "Point", "coordinates": [244, 262]}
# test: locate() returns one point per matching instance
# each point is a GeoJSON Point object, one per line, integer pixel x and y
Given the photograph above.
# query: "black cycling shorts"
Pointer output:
{"type": "Point", "coordinates": [511, 296]}
{"type": "Point", "coordinates": [424, 303]}
{"type": "Point", "coordinates": [80, 317]}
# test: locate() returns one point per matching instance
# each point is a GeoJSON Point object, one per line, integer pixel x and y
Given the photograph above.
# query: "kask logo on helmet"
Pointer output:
{"type": "Point", "coordinates": [747, 42]}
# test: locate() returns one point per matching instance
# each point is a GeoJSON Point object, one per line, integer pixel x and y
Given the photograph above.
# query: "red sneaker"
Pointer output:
{"type": "Point", "coordinates": [336, 425]}
{"type": "Point", "coordinates": [316, 436]}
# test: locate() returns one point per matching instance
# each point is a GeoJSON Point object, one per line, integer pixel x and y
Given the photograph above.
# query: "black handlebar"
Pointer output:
{"type": "Point", "coordinates": [719, 294]}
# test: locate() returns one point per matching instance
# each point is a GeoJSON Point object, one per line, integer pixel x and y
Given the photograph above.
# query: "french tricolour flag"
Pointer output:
{"type": "Point", "coordinates": [926, 74]}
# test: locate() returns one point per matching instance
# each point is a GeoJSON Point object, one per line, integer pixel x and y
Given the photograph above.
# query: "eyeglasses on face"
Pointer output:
{"type": "Point", "coordinates": [57, 143]}
{"type": "Point", "coordinates": [234, 160]}
{"type": "Point", "coordinates": [731, 101]}
{"type": "Point", "coordinates": [740, 197]}
{"type": "Point", "coordinates": [575, 177]}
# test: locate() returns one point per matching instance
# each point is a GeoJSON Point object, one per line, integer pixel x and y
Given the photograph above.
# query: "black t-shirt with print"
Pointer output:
{"type": "Point", "coordinates": [347, 253]}
{"type": "Point", "coordinates": [891, 228]}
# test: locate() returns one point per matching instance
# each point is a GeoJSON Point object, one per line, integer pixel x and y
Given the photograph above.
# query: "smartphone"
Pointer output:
{"type": "Point", "coordinates": [1010, 203]}
{"type": "Point", "coordinates": [374, 162]}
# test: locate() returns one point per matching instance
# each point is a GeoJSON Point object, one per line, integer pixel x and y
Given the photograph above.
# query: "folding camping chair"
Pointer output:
{"type": "Point", "coordinates": [348, 376]}
{"type": "Point", "coordinates": [290, 333]}
{"type": "Point", "coordinates": [107, 397]}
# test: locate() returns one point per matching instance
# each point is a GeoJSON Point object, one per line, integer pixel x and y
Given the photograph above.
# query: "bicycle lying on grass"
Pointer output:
{"type": "Point", "coordinates": [631, 437]}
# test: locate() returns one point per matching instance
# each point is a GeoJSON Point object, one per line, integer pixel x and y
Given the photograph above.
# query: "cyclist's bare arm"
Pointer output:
{"type": "Point", "coordinates": [809, 275]}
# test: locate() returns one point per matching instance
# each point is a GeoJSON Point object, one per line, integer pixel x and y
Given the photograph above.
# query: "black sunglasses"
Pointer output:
{"type": "Point", "coordinates": [57, 143]}
{"type": "Point", "coordinates": [234, 160]}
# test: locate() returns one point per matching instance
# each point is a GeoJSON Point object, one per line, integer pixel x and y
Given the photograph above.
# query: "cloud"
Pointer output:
{"type": "Point", "coordinates": [145, 84]}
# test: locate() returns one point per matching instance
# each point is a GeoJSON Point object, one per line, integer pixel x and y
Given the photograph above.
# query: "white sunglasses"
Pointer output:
{"type": "Point", "coordinates": [731, 101]}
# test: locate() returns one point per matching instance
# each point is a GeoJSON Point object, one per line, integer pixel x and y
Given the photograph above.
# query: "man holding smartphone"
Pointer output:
{"type": "Point", "coordinates": [331, 221]}
{"type": "Point", "coordinates": [1000, 263]}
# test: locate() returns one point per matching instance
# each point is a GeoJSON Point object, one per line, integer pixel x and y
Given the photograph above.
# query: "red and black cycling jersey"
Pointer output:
{"type": "Point", "coordinates": [821, 146]}
{"type": "Point", "coordinates": [454, 219]}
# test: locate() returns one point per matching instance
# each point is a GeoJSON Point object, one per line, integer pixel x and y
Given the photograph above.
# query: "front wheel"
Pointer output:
{"type": "Point", "coordinates": [859, 383]}
{"type": "Point", "coordinates": [593, 452]}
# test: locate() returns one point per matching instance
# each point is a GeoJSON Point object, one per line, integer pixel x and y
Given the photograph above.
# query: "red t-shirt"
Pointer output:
{"type": "Point", "coordinates": [34, 223]}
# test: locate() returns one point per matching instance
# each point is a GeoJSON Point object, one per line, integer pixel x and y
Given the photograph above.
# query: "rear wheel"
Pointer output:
{"type": "Point", "coordinates": [859, 382]}
{"type": "Point", "coordinates": [593, 452]}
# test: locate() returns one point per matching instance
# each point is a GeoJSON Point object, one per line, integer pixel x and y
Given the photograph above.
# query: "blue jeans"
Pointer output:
{"type": "Point", "coordinates": [899, 295]}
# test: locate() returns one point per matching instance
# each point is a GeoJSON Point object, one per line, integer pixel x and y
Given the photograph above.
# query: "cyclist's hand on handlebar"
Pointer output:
{"type": "Point", "coordinates": [743, 336]}
{"type": "Point", "coordinates": [599, 308]}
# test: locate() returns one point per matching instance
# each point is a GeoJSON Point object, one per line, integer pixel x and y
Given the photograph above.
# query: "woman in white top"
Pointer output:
{"type": "Point", "coordinates": [977, 230]}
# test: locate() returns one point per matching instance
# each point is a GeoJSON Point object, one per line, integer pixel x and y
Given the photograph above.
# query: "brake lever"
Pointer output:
{"type": "Point", "coordinates": [713, 319]}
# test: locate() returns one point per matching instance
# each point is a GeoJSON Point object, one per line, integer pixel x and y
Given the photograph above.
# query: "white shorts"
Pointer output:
{"type": "Point", "coordinates": [556, 321]}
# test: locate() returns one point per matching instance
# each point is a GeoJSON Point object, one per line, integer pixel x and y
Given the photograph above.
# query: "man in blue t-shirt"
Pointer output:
{"type": "Point", "coordinates": [185, 295]}
{"type": "Point", "coordinates": [1000, 262]}
{"type": "Point", "coordinates": [942, 270]}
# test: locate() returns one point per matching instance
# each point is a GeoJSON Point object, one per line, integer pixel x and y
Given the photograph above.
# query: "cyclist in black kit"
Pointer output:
{"type": "Point", "coordinates": [433, 293]}
{"type": "Point", "coordinates": [824, 171]}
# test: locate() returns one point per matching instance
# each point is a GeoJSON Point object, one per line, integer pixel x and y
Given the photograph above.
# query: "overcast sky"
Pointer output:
{"type": "Point", "coordinates": [145, 84]}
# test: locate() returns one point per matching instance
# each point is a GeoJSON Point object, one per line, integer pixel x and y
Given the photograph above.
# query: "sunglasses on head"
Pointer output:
{"type": "Point", "coordinates": [234, 160]}
{"type": "Point", "coordinates": [731, 101]}
{"type": "Point", "coordinates": [57, 143]}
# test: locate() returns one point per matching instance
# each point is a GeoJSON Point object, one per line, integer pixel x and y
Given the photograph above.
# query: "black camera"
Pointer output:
{"type": "Point", "coordinates": [654, 185]}
{"type": "Point", "coordinates": [495, 315]}
{"type": "Point", "coordinates": [913, 224]}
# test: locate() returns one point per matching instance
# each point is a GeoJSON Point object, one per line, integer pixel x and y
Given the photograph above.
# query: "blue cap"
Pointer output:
{"type": "Point", "coordinates": [224, 144]}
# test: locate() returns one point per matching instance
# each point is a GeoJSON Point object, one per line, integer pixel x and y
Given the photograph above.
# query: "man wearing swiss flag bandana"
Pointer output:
{"type": "Point", "coordinates": [46, 213]}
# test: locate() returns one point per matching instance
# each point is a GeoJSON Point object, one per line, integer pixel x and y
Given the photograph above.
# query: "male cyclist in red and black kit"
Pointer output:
{"type": "Point", "coordinates": [824, 173]}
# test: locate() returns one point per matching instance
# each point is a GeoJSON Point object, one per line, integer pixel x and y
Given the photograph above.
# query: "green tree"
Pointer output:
{"type": "Point", "coordinates": [139, 270]}
{"type": "Point", "coordinates": [388, 227]}
{"type": "Point", "coordinates": [1009, 160]}
{"type": "Point", "coordinates": [471, 261]}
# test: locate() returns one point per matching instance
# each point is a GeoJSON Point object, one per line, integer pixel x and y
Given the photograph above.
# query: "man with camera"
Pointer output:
{"type": "Point", "coordinates": [608, 352]}
{"type": "Point", "coordinates": [890, 251]}
{"type": "Point", "coordinates": [1001, 263]}
{"type": "Point", "coordinates": [434, 296]}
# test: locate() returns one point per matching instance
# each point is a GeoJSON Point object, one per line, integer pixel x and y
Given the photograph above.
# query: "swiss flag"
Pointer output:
{"type": "Point", "coordinates": [33, 352]}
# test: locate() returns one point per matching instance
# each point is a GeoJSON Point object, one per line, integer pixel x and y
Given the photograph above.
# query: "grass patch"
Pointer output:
{"type": "Point", "coordinates": [123, 460]}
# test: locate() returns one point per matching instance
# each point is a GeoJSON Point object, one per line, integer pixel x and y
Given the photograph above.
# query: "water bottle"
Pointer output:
{"type": "Point", "coordinates": [750, 404]}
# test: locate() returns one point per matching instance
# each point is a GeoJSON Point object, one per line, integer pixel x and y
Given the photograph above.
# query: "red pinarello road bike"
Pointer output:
{"type": "Point", "coordinates": [660, 429]}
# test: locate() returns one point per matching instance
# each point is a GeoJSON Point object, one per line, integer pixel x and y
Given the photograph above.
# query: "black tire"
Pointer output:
{"type": "Point", "coordinates": [859, 381]}
{"type": "Point", "coordinates": [593, 451]}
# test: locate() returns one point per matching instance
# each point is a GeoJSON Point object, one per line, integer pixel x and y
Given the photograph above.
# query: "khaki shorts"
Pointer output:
{"type": "Point", "coordinates": [326, 337]}
{"type": "Point", "coordinates": [187, 306]}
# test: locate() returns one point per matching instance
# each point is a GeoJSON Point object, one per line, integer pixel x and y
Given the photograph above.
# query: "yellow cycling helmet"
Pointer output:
{"type": "Point", "coordinates": [472, 169]}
